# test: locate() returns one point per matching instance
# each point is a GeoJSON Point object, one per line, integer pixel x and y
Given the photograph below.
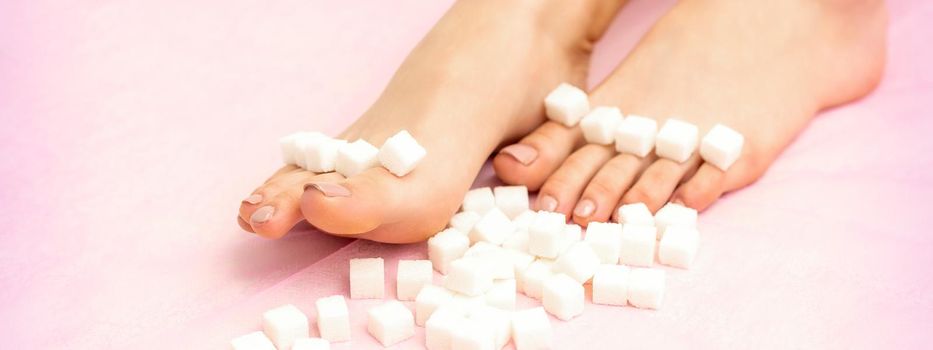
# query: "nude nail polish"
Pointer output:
{"type": "Point", "coordinates": [254, 199]}
{"type": "Point", "coordinates": [329, 189]}
{"type": "Point", "coordinates": [547, 203]}
{"type": "Point", "coordinates": [584, 209]}
{"type": "Point", "coordinates": [262, 214]}
{"type": "Point", "coordinates": [524, 154]}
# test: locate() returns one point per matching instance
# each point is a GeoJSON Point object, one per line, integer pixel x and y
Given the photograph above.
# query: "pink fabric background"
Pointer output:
{"type": "Point", "coordinates": [131, 130]}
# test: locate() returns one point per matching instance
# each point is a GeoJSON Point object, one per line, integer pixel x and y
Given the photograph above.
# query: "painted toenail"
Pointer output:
{"type": "Point", "coordinates": [547, 203]}
{"type": "Point", "coordinates": [262, 214]}
{"type": "Point", "coordinates": [584, 209]}
{"type": "Point", "coordinates": [254, 199]}
{"type": "Point", "coordinates": [522, 153]}
{"type": "Point", "coordinates": [329, 189]}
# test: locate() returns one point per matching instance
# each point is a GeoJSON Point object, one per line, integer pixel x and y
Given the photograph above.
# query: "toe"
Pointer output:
{"type": "Point", "coordinates": [562, 189]}
{"type": "Point", "coordinates": [704, 188]}
{"type": "Point", "coordinates": [658, 181]}
{"type": "Point", "coordinates": [603, 192]}
{"type": "Point", "coordinates": [274, 208]}
{"type": "Point", "coordinates": [538, 155]}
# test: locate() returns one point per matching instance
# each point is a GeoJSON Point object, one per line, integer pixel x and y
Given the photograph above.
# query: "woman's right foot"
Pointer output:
{"type": "Point", "coordinates": [476, 80]}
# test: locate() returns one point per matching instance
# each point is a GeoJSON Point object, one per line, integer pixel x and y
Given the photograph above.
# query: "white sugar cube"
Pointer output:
{"type": "Point", "coordinates": [722, 146]}
{"type": "Point", "coordinates": [311, 344]}
{"type": "Point", "coordinates": [534, 276]}
{"type": "Point", "coordinates": [440, 328]}
{"type": "Point", "coordinates": [517, 241]}
{"type": "Point", "coordinates": [445, 247]}
{"type": "Point", "coordinates": [400, 154]}
{"type": "Point", "coordinates": [473, 335]}
{"type": "Point", "coordinates": [252, 341]}
{"type": "Point", "coordinates": [355, 157]}
{"type": "Point", "coordinates": [502, 294]}
{"type": "Point", "coordinates": [635, 213]}
{"type": "Point", "coordinates": [391, 323]}
{"type": "Point", "coordinates": [321, 157]}
{"type": "Point", "coordinates": [303, 144]}
{"type": "Point", "coordinates": [465, 303]}
{"type": "Point", "coordinates": [524, 220]}
{"type": "Point", "coordinates": [497, 319]}
{"type": "Point", "coordinates": [494, 228]}
{"type": "Point", "coordinates": [481, 248]}
{"type": "Point", "coordinates": [605, 239]}
{"type": "Point", "coordinates": [411, 275]}
{"type": "Point", "coordinates": [429, 299]}
{"type": "Point", "coordinates": [678, 247]}
{"type": "Point", "coordinates": [566, 104]}
{"type": "Point", "coordinates": [284, 324]}
{"type": "Point", "coordinates": [638, 243]}
{"type": "Point", "coordinates": [520, 260]}
{"type": "Point", "coordinates": [464, 221]}
{"type": "Point", "coordinates": [579, 262]}
{"type": "Point", "coordinates": [677, 140]}
{"type": "Point", "coordinates": [571, 234]}
{"type": "Point", "coordinates": [563, 297]}
{"type": "Point", "coordinates": [289, 145]}
{"type": "Point", "coordinates": [479, 200]}
{"type": "Point", "coordinates": [674, 214]}
{"type": "Point", "coordinates": [599, 126]}
{"type": "Point", "coordinates": [367, 278]}
{"type": "Point", "coordinates": [469, 276]}
{"type": "Point", "coordinates": [636, 135]}
{"type": "Point", "coordinates": [497, 259]}
{"type": "Point", "coordinates": [512, 200]}
{"type": "Point", "coordinates": [646, 288]}
{"type": "Point", "coordinates": [546, 233]}
{"type": "Point", "coordinates": [531, 329]}
{"type": "Point", "coordinates": [333, 318]}
{"type": "Point", "coordinates": [610, 285]}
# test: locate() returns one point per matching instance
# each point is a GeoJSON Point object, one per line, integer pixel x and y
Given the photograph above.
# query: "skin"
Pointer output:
{"type": "Point", "coordinates": [478, 79]}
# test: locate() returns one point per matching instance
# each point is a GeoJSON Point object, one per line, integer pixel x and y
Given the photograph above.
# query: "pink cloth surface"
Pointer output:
{"type": "Point", "coordinates": [132, 129]}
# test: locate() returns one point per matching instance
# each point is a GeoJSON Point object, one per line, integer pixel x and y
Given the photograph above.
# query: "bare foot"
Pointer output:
{"type": "Point", "coordinates": [477, 79]}
{"type": "Point", "coordinates": [762, 68]}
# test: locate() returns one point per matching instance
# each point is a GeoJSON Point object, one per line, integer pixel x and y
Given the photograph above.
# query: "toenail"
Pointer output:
{"type": "Point", "coordinates": [262, 214]}
{"type": "Point", "coordinates": [524, 154]}
{"type": "Point", "coordinates": [547, 203]}
{"type": "Point", "coordinates": [254, 199]}
{"type": "Point", "coordinates": [329, 189]}
{"type": "Point", "coordinates": [584, 209]}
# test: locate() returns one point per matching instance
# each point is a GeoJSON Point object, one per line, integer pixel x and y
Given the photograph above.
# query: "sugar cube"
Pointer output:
{"type": "Point", "coordinates": [534, 276]}
{"type": "Point", "coordinates": [573, 233]}
{"type": "Point", "coordinates": [531, 329]}
{"type": "Point", "coordinates": [605, 239]}
{"type": "Point", "coordinates": [610, 285]}
{"type": "Point", "coordinates": [411, 275]}
{"type": "Point", "coordinates": [355, 157]}
{"type": "Point", "coordinates": [321, 157]}
{"type": "Point", "coordinates": [638, 243]}
{"type": "Point", "coordinates": [311, 344]}
{"type": "Point", "coordinates": [428, 300]}
{"type": "Point", "coordinates": [367, 278]}
{"type": "Point", "coordinates": [469, 276]}
{"type": "Point", "coordinates": [674, 214]}
{"type": "Point", "coordinates": [520, 260]}
{"type": "Point", "coordinates": [497, 319]}
{"type": "Point", "coordinates": [599, 126]}
{"type": "Point", "coordinates": [464, 221]}
{"type": "Point", "coordinates": [566, 104]}
{"type": "Point", "coordinates": [502, 294]}
{"type": "Point", "coordinates": [440, 328]}
{"type": "Point", "coordinates": [479, 200]}
{"type": "Point", "coordinates": [635, 213]}
{"type": "Point", "coordinates": [579, 262]}
{"type": "Point", "coordinates": [401, 153]}
{"type": "Point", "coordinates": [546, 233]}
{"type": "Point", "coordinates": [494, 228]}
{"type": "Point", "coordinates": [512, 200]}
{"type": "Point", "coordinates": [722, 146]}
{"type": "Point", "coordinates": [333, 318]}
{"type": "Point", "coordinates": [497, 260]}
{"type": "Point", "coordinates": [517, 241]}
{"type": "Point", "coordinates": [524, 220]}
{"type": "Point", "coordinates": [677, 140]}
{"type": "Point", "coordinates": [252, 341]}
{"type": "Point", "coordinates": [391, 323]}
{"type": "Point", "coordinates": [445, 247]}
{"type": "Point", "coordinates": [289, 145]}
{"type": "Point", "coordinates": [646, 288]}
{"type": "Point", "coordinates": [563, 297]}
{"type": "Point", "coordinates": [473, 335]}
{"type": "Point", "coordinates": [678, 247]}
{"type": "Point", "coordinates": [284, 324]}
{"type": "Point", "coordinates": [636, 135]}
{"type": "Point", "coordinates": [304, 143]}
{"type": "Point", "coordinates": [465, 303]}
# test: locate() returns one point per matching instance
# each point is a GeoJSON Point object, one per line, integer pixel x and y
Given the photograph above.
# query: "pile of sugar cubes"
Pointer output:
{"type": "Point", "coordinates": [677, 140]}
{"type": "Point", "coordinates": [316, 152]}
{"type": "Point", "coordinates": [492, 250]}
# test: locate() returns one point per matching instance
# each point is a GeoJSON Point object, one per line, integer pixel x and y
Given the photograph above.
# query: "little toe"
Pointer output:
{"type": "Point", "coordinates": [656, 184]}
{"type": "Point", "coordinates": [604, 191]}
{"type": "Point", "coordinates": [562, 189]}
{"type": "Point", "coordinates": [704, 188]}
{"type": "Point", "coordinates": [530, 161]}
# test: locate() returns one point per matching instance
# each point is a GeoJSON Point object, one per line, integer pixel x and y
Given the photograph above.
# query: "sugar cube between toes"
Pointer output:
{"type": "Point", "coordinates": [252, 341]}
{"type": "Point", "coordinates": [355, 157]}
{"type": "Point", "coordinates": [479, 200]}
{"type": "Point", "coordinates": [610, 285]}
{"type": "Point", "coordinates": [469, 276]}
{"type": "Point", "coordinates": [411, 276]}
{"type": "Point", "coordinates": [646, 288]}
{"type": "Point", "coordinates": [636, 214]}
{"type": "Point", "coordinates": [512, 200]}
{"type": "Point", "coordinates": [429, 299]}
{"type": "Point", "coordinates": [721, 146]}
{"type": "Point", "coordinates": [401, 153]}
{"type": "Point", "coordinates": [391, 323]}
{"type": "Point", "coordinates": [289, 145]}
{"type": "Point", "coordinates": [284, 324]}
{"type": "Point", "coordinates": [333, 318]}
{"type": "Point", "coordinates": [566, 104]}
{"type": "Point", "coordinates": [678, 247]}
{"type": "Point", "coordinates": [677, 140]}
{"type": "Point", "coordinates": [606, 240]}
{"type": "Point", "coordinates": [563, 297]}
{"type": "Point", "coordinates": [638, 245]}
{"type": "Point", "coordinates": [321, 157]}
{"type": "Point", "coordinates": [367, 278]}
{"type": "Point", "coordinates": [636, 135]}
{"type": "Point", "coordinates": [445, 247]}
{"type": "Point", "coordinates": [599, 126]}
{"type": "Point", "coordinates": [546, 234]}
{"type": "Point", "coordinates": [531, 329]}
{"type": "Point", "coordinates": [311, 344]}
{"type": "Point", "coordinates": [674, 214]}
{"type": "Point", "coordinates": [579, 262]}
{"type": "Point", "coordinates": [494, 228]}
